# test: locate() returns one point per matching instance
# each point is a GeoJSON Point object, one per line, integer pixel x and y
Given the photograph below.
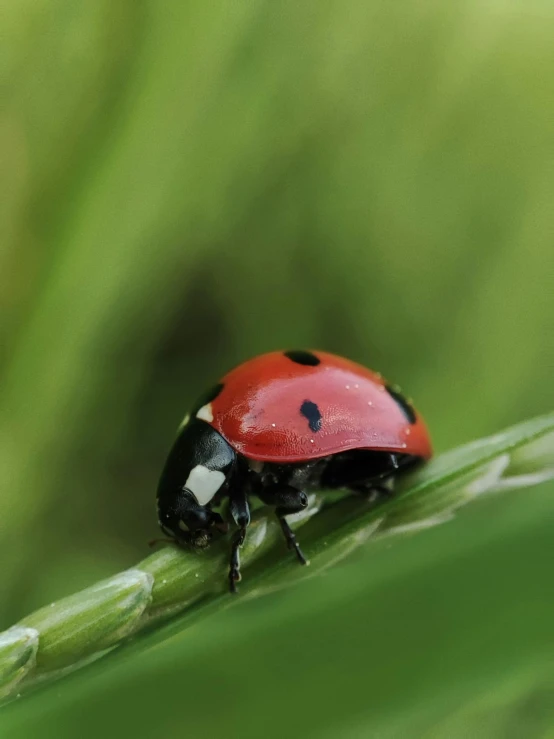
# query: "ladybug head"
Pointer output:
{"type": "Point", "coordinates": [197, 472]}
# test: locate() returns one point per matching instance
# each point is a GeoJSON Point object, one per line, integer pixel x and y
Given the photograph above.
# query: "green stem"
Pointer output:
{"type": "Point", "coordinates": [64, 635]}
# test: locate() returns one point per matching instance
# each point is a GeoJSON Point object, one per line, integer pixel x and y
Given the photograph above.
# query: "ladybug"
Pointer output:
{"type": "Point", "coordinates": [276, 427]}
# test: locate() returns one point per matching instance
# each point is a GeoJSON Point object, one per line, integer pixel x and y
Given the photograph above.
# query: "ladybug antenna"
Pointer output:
{"type": "Point", "coordinates": [394, 461]}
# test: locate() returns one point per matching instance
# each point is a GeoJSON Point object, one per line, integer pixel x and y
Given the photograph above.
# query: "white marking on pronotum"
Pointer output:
{"type": "Point", "coordinates": [205, 413]}
{"type": "Point", "coordinates": [204, 483]}
{"type": "Point", "coordinates": [255, 465]}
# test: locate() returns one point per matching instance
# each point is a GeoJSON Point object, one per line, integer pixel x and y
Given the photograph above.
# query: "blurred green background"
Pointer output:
{"type": "Point", "coordinates": [185, 185]}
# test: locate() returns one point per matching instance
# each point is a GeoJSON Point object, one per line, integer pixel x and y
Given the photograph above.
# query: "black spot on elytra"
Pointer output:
{"type": "Point", "coordinates": [310, 411]}
{"type": "Point", "coordinates": [402, 403]}
{"type": "Point", "coordinates": [302, 357]}
{"type": "Point", "coordinates": [207, 397]}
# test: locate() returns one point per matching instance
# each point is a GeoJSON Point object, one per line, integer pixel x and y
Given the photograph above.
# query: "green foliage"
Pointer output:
{"type": "Point", "coordinates": [187, 184]}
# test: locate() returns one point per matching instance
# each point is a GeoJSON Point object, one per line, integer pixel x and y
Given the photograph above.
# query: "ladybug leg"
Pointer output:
{"type": "Point", "coordinates": [287, 500]}
{"type": "Point", "coordinates": [218, 523]}
{"type": "Point", "coordinates": [289, 534]}
{"type": "Point", "coordinates": [234, 562]}
{"type": "Point", "coordinates": [240, 511]}
{"type": "Point", "coordinates": [383, 491]}
{"type": "Point", "coordinates": [374, 492]}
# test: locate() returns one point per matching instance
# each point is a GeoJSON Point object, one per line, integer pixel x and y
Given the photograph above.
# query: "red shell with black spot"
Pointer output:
{"type": "Point", "coordinates": [296, 406]}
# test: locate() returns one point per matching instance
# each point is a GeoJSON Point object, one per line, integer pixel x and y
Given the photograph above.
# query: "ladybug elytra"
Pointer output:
{"type": "Point", "coordinates": [276, 427]}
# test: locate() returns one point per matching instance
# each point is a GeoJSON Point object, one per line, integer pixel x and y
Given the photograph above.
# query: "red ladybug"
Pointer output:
{"type": "Point", "coordinates": [276, 427]}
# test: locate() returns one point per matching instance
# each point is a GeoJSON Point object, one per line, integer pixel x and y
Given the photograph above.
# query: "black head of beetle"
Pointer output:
{"type": "Point", "coordinates": [197, 473]}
